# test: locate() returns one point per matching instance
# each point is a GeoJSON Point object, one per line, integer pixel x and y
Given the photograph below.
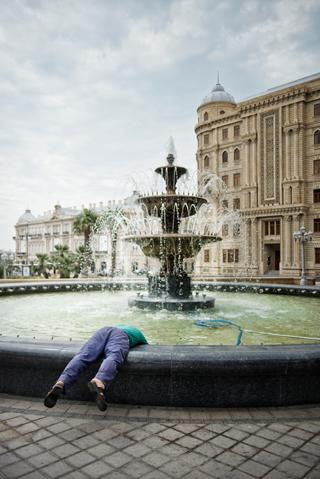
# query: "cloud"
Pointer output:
{"type": "Point", "coordinates": [91, 91]}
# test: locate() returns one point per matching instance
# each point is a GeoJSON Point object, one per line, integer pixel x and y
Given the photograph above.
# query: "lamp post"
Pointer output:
{"type": "Point", "coordinates": [302, 236]}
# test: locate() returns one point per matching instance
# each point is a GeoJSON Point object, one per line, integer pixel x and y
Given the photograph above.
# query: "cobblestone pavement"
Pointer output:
{"type": "Point", "coordinates": [74, 440]}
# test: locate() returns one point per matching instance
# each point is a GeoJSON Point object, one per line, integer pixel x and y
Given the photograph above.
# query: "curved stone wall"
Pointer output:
{"type": "Point", "coordinates": [202, 376]}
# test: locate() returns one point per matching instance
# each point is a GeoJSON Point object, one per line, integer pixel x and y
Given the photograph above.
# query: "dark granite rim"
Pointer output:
{"type": "Point", "coordinates": [201, 376]}
{"type": "Point", "coordinates": [117, 285]}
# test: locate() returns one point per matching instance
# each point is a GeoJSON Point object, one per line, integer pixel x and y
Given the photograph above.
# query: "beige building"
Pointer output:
{"type": "Point", "coordinates": [40, 234]}
{"type": "Point", "coordinates": [267, 150]}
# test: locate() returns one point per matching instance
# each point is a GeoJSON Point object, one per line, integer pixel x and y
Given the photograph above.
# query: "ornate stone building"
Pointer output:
{"type": "Point", "coordinates": [267, 150]}
{"type": "Point", "coordinates": [42, 233]}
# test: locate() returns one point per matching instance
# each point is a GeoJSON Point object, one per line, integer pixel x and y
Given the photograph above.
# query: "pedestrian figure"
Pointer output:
{"type": "Point", "coordinates": [110, 343]}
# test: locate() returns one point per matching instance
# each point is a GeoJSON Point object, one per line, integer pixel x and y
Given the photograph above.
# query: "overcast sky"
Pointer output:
{"type": "Point", "coordinates": [90, 90]}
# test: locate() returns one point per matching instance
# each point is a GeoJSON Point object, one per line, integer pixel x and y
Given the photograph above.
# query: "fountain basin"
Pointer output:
{"type": "Point", "coordinates": [172, 304]}
{"type": "Point", "coordinates": [202, 376]}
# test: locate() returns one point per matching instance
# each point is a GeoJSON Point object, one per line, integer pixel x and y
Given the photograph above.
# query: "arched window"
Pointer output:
{"type": "Point", "coordinates": [225, 157]}
{"type": "Point", "coordinates": [205, 116]}
{"type": "Point", "coordinates": [206, 162]}
{"type": "Point", "coordinates": [236, 154]}
{"type": "Point", "coordinates": [316, 109]}
{"type": "Point", "coordinates": [316, 137]}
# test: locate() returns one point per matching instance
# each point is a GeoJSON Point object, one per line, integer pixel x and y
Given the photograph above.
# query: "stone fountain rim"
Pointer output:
{"type": "Point", "coordinates": [201, 376]}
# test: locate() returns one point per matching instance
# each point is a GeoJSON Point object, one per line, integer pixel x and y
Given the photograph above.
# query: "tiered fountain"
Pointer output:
{"type": "Point", "coordinates": [171, 287]}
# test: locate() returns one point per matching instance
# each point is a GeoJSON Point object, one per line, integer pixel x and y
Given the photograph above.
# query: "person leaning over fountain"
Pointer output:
{"type": "Point", "coordinates": [111, 343]}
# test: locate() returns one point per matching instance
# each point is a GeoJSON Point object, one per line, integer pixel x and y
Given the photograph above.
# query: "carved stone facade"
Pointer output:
{"type": "Point", "coordinates": [279, 166]}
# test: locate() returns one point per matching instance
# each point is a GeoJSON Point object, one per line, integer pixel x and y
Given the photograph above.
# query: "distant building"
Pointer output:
{"type": "Point", "coordinates": [267, 150]}
{"type": "Point", "coordinates": [41, 234]}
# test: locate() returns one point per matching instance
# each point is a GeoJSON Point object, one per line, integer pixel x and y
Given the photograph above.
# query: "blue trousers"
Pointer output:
{"type": "Point", "coordinates": [111, 344]}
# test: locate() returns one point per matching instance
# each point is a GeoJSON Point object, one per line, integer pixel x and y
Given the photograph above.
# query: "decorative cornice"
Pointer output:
{"type": "Point", "coordinates": [275, 210]}
{"type": "Point", "coordinates": [271, 99]}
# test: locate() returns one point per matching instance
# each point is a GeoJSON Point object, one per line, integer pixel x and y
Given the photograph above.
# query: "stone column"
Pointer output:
{"type": "Point", "coordinates": [248, 240]}
{"type": "Point", "coordinates": [255, 241]}
{"type": "Point", "coordinates": [287, 240]}
{"type": "Point", "coordinates": [287, 155]}
{"type": "Point", "coordinates": [254, 162]}
{"type": "Point", "coordinates": [295, 153]}
{"type": "Point", "coordinates": [246, 163]}
{"type": "Point", "coordinates": [296, 244]}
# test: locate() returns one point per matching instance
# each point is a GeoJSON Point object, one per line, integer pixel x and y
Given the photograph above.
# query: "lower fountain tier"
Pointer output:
{"type": "Point", "coordinates": [172, 304]}
{"type": "Point", "coordinates": [183, 245]}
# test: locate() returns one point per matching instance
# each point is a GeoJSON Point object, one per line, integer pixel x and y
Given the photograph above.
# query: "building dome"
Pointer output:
{"type": "Point", "coordinates": [218, 95]}
{"type": "Point", "coordinates": [27, 217]}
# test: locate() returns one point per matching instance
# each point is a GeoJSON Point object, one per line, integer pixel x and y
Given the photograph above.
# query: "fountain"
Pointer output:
{"type": "Point", "coordinates": [171, 288]}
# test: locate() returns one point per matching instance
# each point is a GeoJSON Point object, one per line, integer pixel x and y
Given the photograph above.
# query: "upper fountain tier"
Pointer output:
{"type": "Point", "coordinates": [171, 207]}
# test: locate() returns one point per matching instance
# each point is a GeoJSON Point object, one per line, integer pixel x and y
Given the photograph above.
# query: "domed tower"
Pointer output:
{"type": "Point", "coordinates": [216, 103]}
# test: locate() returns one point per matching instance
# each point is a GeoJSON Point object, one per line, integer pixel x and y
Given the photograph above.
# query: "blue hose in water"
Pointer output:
{"type": "Point", "coordinates": [219, 323]}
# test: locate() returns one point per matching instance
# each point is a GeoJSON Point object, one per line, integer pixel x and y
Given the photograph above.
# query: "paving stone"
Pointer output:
{"type": "Point", "coordinates": [171, 434]}
{"type": "Point", "coordinates": [41, 434]}
{"type": "Point", "coordinates": [57, 469]}
{"type": "Point", "coordinates": [97, 469]}
{"type": "Point", "coordinates": [138, 435]}
{"type": "Point", "coordinates": [75, 475]}
{"type": "Point", "coordinates": [51, 442]}
{"type": "Point", "coordinates": [154, 475]}
{"type": "Point", "coordinates": [16, 469]}
{"type": "Point", "coordinates": [193, 459]}
{"type": "Point", "coordinates": [189, 442]}
{"type": "Point", "coordinates": [16, 443]}
{"type": "Point", "coordinates": [218, 428]}
{"type": "Point", "coordinates": [301, 434]}
{"type": "Point", "coordinates": [172, 450]}
{"type": "Point", "coordinates": [43, 459]}
{"type": "Point", "coordinates": [314, 474]}
{"type": "Point", "coordinates": [104, 435]}
{"type": "Point", "coordinates": [136, 469]}
{"type": "Point", "coordinates": [290, 441]}
{"type": "Point", "coordinates": [80, 459]}
{"type": "Point", "coordinates": [305, 458]}
{"type": "Point", "coordinates": [35, 475]}
{"type": "Point", "coordinates": [208, 449]}
{"type": "Point", "coordinates": [267, 433]}
{"type": "Point", "coordinates": [236, 474]}
{"type": "Point", "coordinates": [120, 442]}
{"type": "Point", "coordinates": [154, 428]}
{"type": "Point", "coordinates": [117, 459]}
{"type": "Point", "coordinates": [101, 450]}
{"type": "Point", "coordinates": [175, 468]}
{"type": "Point", "coordinates": [254, 468]}
{"type": "Point", "coordinates": [8, 458]}
{"type": "Point", "coordinates": [279, 427]}
{"type": "Point", "coordinates": [86, 442]}
{"type": "Point", "coordinates": [203, 434]}
{"type": "Point", "coordinates": [65, 450]}
{"type": "Point", "coordinates": [186, 428]}
{"type": "Point", "coordinates": [71, 434]}
{"type": "Point", "coordinates": [29, 451]}
{"type": "Point", "coordinates": [279, 449]}
{"type": "Point", "coordinates": [292, 469]}
{"type": "Point", "coordinates": [197, 474]}
{"type": "Point", "coordinates": [267, 458]}
{"type": "Point", "coordinates": [236, 434]}
{"type": "Point", "coordinates": [155, 459]}
{"type": "Point", "coordinates": [215, 469]}
{"type": "Point", "coordinates": [47, 421]}
{"type": "Point", "coordinates": [311, 448]}
{"type": "Point", "coordinates": [244, 449]}
{"type": "Point", "coordinates": [154, 442]}
{"type": "Point", "coordinates": [257, 441]}
{"type": "Point", "coordinates": [310, 426]}
{"type": "Point", "coordinates": [223, 442]}
{"type": "Point", "coordinates": [230, 458]}
{"type": "Point", "coordinates": [90, 427]}
{"type": "Point", "coordinates": [60, 427]}
{"type": "Point", "coordinates": [248, 427]}
{"type": "Point", "coordinates": [17, 421]}
{"type": "Point", "coordinates": [8, 435]}
{"type": "Point", "coordinates": [137, 450]}
{"type": "Point", "coordinates": [122, 427]}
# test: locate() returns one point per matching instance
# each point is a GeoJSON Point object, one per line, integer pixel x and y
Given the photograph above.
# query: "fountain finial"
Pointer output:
{"type": "Point", "coordinates": [171, 151]}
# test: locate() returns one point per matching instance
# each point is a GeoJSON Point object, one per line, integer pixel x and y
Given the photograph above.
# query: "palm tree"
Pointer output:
{"type": "Point", "coordinates": [42, 262]}
{"type": "Point", "coordinates": [84, 224]}
{"type": "Point", "coordinates": [64, 260]}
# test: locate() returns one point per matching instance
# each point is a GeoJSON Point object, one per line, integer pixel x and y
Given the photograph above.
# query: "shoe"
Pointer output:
{"type": "Point", "coordinates": [99, 392]}
{"type": "Point", "coordinates": [53, 396]}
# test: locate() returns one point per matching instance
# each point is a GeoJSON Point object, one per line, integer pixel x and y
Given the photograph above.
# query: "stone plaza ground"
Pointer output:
{"type": "Point", "coordinates": [76, 441]}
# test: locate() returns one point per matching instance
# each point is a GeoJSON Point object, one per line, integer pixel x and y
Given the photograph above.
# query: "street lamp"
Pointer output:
{"type": "Point", "coordinates": [303, 236]}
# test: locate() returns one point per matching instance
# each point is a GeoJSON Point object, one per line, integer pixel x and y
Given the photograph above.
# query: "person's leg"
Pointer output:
{"type": "Point", "coordinates": [116, 351]}
{"type": "Point", "coordinates": [89, 353]}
